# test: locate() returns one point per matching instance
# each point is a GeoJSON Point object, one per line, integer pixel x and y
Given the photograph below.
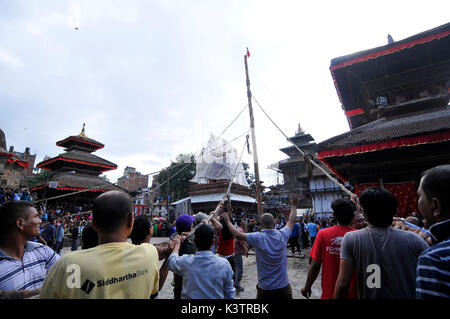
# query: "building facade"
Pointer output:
{"type": "Point", "coordinates": [396, 100]}
{"type": "Point", "coordinates": [14, 166]}
{"type": "Point", "coordinates": [132, 180]}
{"type": "Point", "coordinates": [316, 191]}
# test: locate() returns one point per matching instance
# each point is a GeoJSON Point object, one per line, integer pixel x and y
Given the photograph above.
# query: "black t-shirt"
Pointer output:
{"type": "Point", "coordinates": [49, 233]}
{"type": "Point", "coordinates": [75, 232]}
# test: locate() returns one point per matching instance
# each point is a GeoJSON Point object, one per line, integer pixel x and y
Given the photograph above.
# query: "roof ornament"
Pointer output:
{"type": "Point", "coordinates": [390, 39]}
{"type": "Point", "coordinates": [299, 131]}
{"type": "Point", "coordinates": [82, 132]}
{"type": "Point", "coordinates": [2, 141]}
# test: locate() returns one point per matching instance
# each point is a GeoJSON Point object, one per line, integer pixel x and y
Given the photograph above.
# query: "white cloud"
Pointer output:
{"type": "Point", "coordinates": [9, 59]}
{"type": "Point", "coordinates": [152, 79]}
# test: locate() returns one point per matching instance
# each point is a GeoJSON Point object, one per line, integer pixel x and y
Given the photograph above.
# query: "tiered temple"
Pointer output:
{"type": "Point", "coordinates": [317, 191]}
{"type": "Point", "coordinates": [75, 170]}
{"type": "Point", "coordinates": [396, 101]}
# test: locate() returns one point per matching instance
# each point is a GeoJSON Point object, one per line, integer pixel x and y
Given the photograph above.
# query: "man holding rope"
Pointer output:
{"type": "Point", "coordinates": [271, 257]}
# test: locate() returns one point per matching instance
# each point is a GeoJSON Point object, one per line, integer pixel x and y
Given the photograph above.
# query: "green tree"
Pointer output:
{"type": "Point", "coordinates": [41, 178]}
{"type": "Point", "coordinates": [180, 173]}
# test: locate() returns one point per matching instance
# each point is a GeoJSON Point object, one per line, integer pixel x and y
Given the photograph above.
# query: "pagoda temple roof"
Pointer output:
{"type": "Point", "coordinates": [393, 149]}
{"type": "Point", "coordinates": [77, 157]}
{"type": "Point", "coordinates": [387, 130]}
{"type": "Point", "coordinates": [76, 182]}
{"type": "Point", "coordinates": [415, 69]}
{"type": "Point", "coordinates": [81, 141]}
{"type": "Point", "coordinates": [292, 150]}
{"type": "Point", "coordinates": [423, 37]}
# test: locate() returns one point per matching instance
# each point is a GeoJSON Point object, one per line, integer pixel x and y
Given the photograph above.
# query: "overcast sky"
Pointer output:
{"type": "Point", "coordinates": [153, 79]}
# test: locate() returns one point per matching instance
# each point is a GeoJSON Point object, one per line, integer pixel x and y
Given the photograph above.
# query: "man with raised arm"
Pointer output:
{"type": "Point", "coordinates": [271, 257]}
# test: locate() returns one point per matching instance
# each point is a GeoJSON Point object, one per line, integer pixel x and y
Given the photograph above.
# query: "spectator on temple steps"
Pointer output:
{"type": "Point", "coordinates": [433, 271]}
{"type": "Point", "coordinates": [17, 195]}
{"type": "Point", "coordinates": [385, 258]}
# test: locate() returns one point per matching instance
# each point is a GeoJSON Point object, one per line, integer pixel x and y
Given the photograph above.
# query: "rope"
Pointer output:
{"type": "Point", "coordinates": [68, 216]}
{"type": "Point", "coordinates": [331, 178]}
{"type": "Point", "coordinates": [232, 122]}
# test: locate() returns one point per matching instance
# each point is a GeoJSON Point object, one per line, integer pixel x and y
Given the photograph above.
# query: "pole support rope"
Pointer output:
{"type": "Point", "coordinates": [331, 178]}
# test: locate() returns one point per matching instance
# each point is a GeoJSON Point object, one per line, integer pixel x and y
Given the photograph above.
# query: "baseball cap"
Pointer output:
{"type": "Point", "coordinates": [184, 223]}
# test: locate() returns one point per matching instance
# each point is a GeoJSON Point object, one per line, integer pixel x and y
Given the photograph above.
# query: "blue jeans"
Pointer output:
{"type": "Point", "coordinates": [58, 247]}
{"type": "Point", "coordinates": [239, 269]}
{"type": "Point", "coordinates": [74, 244]}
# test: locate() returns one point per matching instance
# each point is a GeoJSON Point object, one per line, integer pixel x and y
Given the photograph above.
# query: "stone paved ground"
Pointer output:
{"type": "Point", "coordinates": [297, 272]}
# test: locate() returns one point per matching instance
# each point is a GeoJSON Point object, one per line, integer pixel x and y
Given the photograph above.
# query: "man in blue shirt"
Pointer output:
{"type": "Point", "coordinates": [271, 258]}
{"type": "Point", "coordinates": [16, 195]}
{"type": "Point", "coordinates": [49, 234]}
{"type": "Point", "coordinates": [433, 266]}
{"type": "Point", "coordinates": [312, 230]}
{"type": "Point", "coordinates": [293, 240]}
{"type": "Point", "coordinates": [23, 264]}
{"type": "Point", "coordinates": [205, 276]}
{"type": "Point", "coordinates": [59, 237]}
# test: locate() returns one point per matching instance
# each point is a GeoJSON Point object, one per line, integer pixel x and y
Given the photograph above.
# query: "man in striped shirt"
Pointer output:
{"type": "Point", "coordinates": [433, 269]}
{"type": "Point", "coordinates": [23, 264]}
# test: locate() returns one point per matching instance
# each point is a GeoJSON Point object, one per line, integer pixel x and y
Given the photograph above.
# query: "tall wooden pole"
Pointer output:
{"type": "Point", "coordinates": [255, 154]}
{"type": "Point", "coordinates": [167, 203]}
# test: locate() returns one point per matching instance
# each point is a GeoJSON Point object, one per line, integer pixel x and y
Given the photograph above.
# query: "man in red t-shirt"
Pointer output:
{"type": "Point", "coordinates": [327, 249]}
{"type": "Point", "coordinates": [226, 247]}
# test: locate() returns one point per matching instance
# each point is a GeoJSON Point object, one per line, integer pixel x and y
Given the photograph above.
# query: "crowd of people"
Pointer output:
{"type": "Point", "coordinates": [363, 252]}
{"type": "Point", "coordinates": [10, 195]}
